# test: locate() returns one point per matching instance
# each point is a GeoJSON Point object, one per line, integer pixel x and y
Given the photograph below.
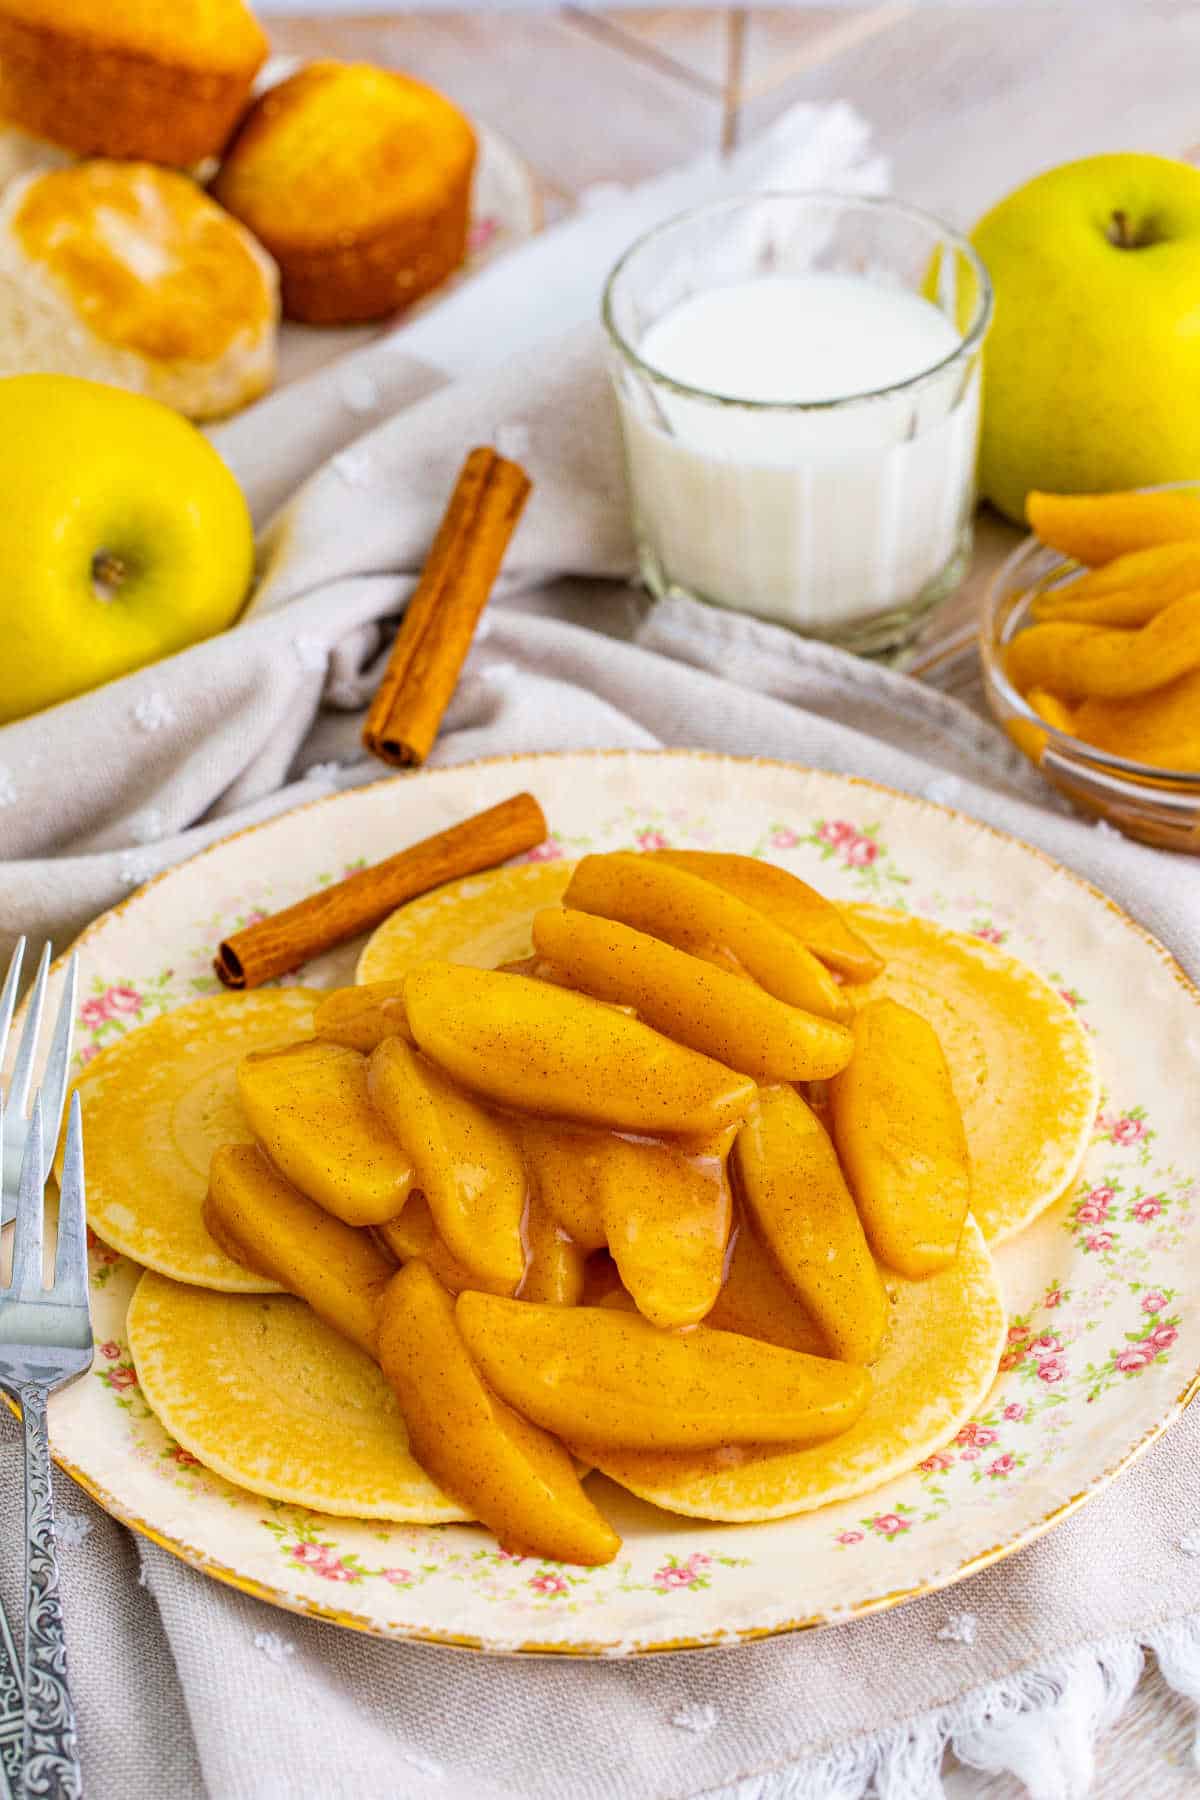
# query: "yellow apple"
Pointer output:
{"type": "Point", "coordinates": [1094, 353]}
{"type": "Point", "coordinates": [123, 538]}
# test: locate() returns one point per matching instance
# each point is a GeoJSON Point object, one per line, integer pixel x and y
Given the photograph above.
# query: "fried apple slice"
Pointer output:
{"type": "Point", "coordinates": [691, 1001]}
{"type": "Point", "coordinates": [564, 1168]}
{"type": "Point", "coordinates": [1162, 728]}
{"type": "Point", "coordinates": [1096, 528]}
{"type": "Point", "coordinates": [1103, 662]}
{"type": "Point", "coordinates": [756, 1301]}
{"type": "Point", "coordinates": [681, 908]}
{"type": "Point", "coordinates": [308, 1108]}
{"type": "Point", "coordinates": [666, 1219]}
{"type": "Point", "coordinates": [1163, 573]}
{"type": "Point", "coordinates": [503, 1470]}
{"type": "Point", "coordinates": [556, 1266]}
{"type": "Point", "coordinates": [790, 902]}
{"type": "Point", "coordinates": [542, 1049]}
{"type": "Point", "coordinates": [467, 1163]}
{"type": "Point", "coordinates": [789, 1178]}
{"type": "Point", "coordinates": [936, 1372]}
{"type": "Point", "coordinates": [361, 1017]}
{"type": "Point", "coordinates": [1021, 1061]}
{"type": "Point", "coordinates": [262, 1221]}
{"type": "Point", "coordinates": [414, 1235]}
{"type": "Point", "coordinates": [600, 1376]}
{"type": "Point", "coordinates": [900, 1137]}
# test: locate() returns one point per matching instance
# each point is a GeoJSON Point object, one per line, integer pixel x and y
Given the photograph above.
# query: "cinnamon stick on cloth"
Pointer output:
{"type": "Point", "coordinates": [276, 945]}
{"type": "Point", "coordinates": [432, 643]}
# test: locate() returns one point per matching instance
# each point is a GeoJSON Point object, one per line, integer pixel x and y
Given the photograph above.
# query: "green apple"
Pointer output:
{"type": "Point", "coordinates": [123, 538]}
{"type": "Point", "coordinates": [1092, 368]}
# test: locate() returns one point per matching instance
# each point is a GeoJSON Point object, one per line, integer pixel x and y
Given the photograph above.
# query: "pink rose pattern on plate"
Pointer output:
{"type": "Point", "coordinates": [857, 848]}
{"type": "Point", "coordinates": [1125, 1216]}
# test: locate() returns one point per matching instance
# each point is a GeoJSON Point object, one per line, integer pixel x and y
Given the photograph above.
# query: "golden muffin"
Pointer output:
{"type": "Point", "coordinates": [164, 80]}
{"type": "Point", "coordinates": [130, 274]}
{"type": "Point", "coordinates": [358, 181]}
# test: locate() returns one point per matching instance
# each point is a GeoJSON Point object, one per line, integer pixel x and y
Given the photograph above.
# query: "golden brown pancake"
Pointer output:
{"type": "Point", "coordinates": [937, 1365]}
{"type": "Point", "coordinates": [156, 1104]}
{"type": "Point", "coordinates": [1021, 1063]}
{"type": "Point", "coordinates": [483, 920]}
{"type": "Point", "coordinates": [265, 1394]}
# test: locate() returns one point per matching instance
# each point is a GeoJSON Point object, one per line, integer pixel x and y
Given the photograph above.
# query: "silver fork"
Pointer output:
{"type": "Point", "coordinates": [54, 1083]}
{"type": "Point", "coordinates": [45, 1342]}
{"type": "Point", "coordinates": [12, 1145]}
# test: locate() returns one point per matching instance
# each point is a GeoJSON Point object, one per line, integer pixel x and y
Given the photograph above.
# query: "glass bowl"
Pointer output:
{"type": "Point", "coordinates": [1157, 806]}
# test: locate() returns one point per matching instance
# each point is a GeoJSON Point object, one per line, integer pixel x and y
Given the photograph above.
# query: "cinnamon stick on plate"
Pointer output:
{"type": "Point", "coordinates": [435, 635]}
{"type": "Point", "coordinates": [276, 945]}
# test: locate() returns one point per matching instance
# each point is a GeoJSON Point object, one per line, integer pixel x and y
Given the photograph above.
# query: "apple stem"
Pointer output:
{"type": "Point", "coordinates": [108, 575]}
{"type": "Point", "coordinates": [1125, 235]}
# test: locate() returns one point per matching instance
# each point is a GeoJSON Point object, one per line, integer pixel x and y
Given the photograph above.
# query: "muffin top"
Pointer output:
{"type": "Point", "coordinates": [149, 262]}
{"type": "Point", "coordinates": [339, 150]}
{"type": "Point", "coordinates": [203, 34]}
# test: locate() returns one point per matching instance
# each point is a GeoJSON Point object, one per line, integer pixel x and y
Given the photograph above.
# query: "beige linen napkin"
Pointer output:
{"type": "Point", "coordinates": [185, 1687]}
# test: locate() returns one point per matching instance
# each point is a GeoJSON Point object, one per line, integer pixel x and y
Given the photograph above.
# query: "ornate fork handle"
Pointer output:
{"type": "Point", "coordinates": [51, 1757]}
{"type": "Point", "coordinates": [12, 1713]}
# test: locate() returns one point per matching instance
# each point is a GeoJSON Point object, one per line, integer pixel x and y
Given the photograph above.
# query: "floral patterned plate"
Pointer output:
{"type": "Point", "coordinates": [1104, 1343]}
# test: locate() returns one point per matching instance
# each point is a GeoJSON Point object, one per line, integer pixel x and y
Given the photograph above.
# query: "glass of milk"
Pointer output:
{"type": "Point", "coordinates": [798, 381]}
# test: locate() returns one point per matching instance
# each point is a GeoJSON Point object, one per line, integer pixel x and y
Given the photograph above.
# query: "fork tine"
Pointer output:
{"type": "Point", "coordinates": [8, 998]}
{"type": "Point", "coordinates": [70, 1266]}
{"type": "Point", "coordinates": [27, 1243]}
{"type": "Point", "coordinates": [18, 1087]}
{"type": "Point", "coordinates": [54, 1081]}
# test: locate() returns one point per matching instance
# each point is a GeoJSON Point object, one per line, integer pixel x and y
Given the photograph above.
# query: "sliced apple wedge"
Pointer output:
{"type": "Point", "coordinates": [684, 909]}
{"type": "Point", "coordinates": [503, 1470]}
{"type": "Point", "coordinates": [563, 1164]}
{"type": "Point", "coordinates": [557, 1266]}
{"type": "Point", "coordinates": [261, 1220]}
{"type": "Point", "coordinates": [541, 1049]}
{"type": "Point", "coordinates": [707, 1008]}
{"type": "Point", "coordinates": [600, 1376]}
{"type": "Point", "coordinates": [900, 1137]}
{"type": "Point", "coordinates": [666, 1221]}
{"type": "Point", "coordinates": [788, 1176]}
{"type": "Point", "coordinates": [308, 1108]}
{"type": "Point", "coordinates": [756, 1301]}
{"type": "Point", "coordinates": [467, 1163]}
{"type": "Point", "coordinates": [414, 1235]}
{"type": "Point", "coordinates": [361, 1017]}
{"type": "Point", "coordinates": [790, 902]}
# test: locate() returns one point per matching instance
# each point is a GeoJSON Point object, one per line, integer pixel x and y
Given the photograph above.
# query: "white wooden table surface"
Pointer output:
{"type": "Point", "coordinates": [967, 101]}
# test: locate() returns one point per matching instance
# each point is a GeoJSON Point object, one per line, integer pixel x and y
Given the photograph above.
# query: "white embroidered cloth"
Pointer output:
{"type": "Point", "coordinates": [184, 1686]}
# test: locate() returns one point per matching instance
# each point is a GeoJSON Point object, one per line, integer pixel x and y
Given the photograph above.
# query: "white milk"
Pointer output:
{"type": "Point", "coordinates": [821, 518]}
